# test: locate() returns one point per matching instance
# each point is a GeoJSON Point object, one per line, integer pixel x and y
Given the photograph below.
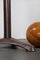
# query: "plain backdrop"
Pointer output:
{"type": "Point", "coordinates": [23, 13]}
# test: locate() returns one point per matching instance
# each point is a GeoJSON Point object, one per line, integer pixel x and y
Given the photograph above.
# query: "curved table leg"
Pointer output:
{"type": "Point", "coordinates": [16, 42]}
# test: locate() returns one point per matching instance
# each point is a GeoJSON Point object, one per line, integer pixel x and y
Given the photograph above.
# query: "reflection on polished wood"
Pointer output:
{"type": "Point", "coordinates": [33, 34]}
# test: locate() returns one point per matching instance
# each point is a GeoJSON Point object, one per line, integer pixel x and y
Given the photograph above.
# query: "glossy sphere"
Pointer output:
{"type": "Point", "coordinates": [33, 34]}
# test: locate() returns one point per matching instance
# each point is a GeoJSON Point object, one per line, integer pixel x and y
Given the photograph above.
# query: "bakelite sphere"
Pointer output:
{"type": "Point", "coordinates": [33, 34]}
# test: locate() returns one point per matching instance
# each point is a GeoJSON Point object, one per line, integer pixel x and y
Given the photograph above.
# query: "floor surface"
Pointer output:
{"type": "Point", "coordinates": [19, 54]}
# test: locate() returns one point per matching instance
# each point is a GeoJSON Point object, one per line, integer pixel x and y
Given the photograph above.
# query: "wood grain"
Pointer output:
{"type": "Point", "coordinates": [33, 34]}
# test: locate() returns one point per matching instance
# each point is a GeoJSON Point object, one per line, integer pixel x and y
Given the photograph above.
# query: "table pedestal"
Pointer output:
{"type": "Point", "coordinates": [7, 29]}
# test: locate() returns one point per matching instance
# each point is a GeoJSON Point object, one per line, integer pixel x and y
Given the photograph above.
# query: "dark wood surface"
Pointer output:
{"type": "Point", "coordinates": [18, 54]}
{"type": "Point", "coordinates": [7, 18]}
{"type": "Point", "coordinates": [17, 42]}
{"type": "Point", "coordinates": [7, 29]}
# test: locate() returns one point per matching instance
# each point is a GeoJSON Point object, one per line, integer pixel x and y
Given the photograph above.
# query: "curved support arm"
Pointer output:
{"type": "Point", "coordinates": [17, 43]}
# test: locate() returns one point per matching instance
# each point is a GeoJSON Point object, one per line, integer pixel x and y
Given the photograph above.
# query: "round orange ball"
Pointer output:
{"type": "Point", "coordinates": [33, 34]}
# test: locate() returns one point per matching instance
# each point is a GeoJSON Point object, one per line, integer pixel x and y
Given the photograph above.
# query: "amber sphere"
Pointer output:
{"type": "Point", "coordinates": [33, 34]}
